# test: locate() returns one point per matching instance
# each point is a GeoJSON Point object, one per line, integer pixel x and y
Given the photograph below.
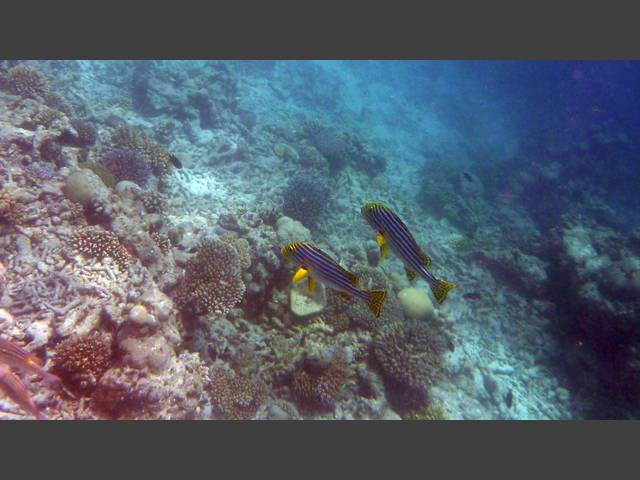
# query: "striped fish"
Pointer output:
{"type": "Point", "coordinates": [17, 357]}
{"type": "Point", "coordinates": [317, 265]}
{"type": "Point", "coordinates": [13, 387]}
{"type": "Point", "coordinates": [392, 233]}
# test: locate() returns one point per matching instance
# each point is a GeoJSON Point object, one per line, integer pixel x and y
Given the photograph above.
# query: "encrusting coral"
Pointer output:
{"type": "Point", "coordinates": [213, 281]}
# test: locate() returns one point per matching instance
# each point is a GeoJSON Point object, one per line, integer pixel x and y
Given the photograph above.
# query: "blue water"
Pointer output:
{"type": "Point", "coordinates": [520, 178]}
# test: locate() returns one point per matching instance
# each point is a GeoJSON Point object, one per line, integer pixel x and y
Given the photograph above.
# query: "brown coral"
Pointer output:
{"type": "Point", "coordinates": [47, 117]}
{"type": "Point", "coordinates": [11, 210]}
{"type": "Point", "coordinates": [319, 385]}
{"type": "Point", "coordinates": [213, 281]}
{"type": "Point", "coordinates": [100, 244]}
{"type": "Point", "coordinates": [410, 354]}
{"type": "Point", "coordinates": [155, 154]}
{"type": "Point", "coordinates": [27, 82]}
{"type": "Point", "coordinates": [242, 247]}
{"type": "Point", "coordinates": [163, 242]}
{"type": "Point", "coordinates": [153, 201]}
{"type": "Point", "coordinates": [80, 362]}
{"type": "Point", "coordinates": [233, 396]}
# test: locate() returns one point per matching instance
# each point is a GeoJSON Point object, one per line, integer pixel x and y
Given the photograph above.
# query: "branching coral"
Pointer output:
{"type": "Point", "coordinates": [127, 164]}
{"type": "Point", "coordinates": [410, 354]}
{"type": "Point", "coordinates": [213, 280]}
{"type": "Point", "coordinates": [305, 199]}
{"type": "Point", "coordinates": [80, 362]}
{"type": "Point", "coordinates": [152, 152]}
{"type": "Point", "coordinates": [233, 396]}
{"type": "Point", "coordinates": [101, 244]}
{"type": "Point", "coordinates": [318, 385]}
{"type": "Point", "coordinates": [27, 82]}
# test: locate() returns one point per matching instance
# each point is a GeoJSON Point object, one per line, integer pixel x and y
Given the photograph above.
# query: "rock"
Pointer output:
{"type": "Point", "coordinates": [290, 230]}
{"type": "Point", "coordinates": [85, 187]}
{"type": "Point", "coordinates": [416, 303]}
{"type": "Point", "coordinates": [303, 304]}
{"type": "Point", "coordinates": [391, 415]}
{"type": "Point", "coordinates": [140, 316]}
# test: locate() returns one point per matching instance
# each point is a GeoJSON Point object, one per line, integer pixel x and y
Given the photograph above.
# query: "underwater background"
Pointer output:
{"type": "Point", "coordinates": [144, 206]}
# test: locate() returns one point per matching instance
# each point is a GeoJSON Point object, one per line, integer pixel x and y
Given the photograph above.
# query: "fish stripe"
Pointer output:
{"type": "Point", "coordinates": [334, 273]}
{"type": "Point", "coordinates": [403, 234]}
{"type": "Point", "coordinates": [399, 237]}
{"type": "Point", "coordinates": [394, 223]}
{"type": "Point", "coordinates": [326, 267]}
{"type": "Point", "coordinates": [407, 251]}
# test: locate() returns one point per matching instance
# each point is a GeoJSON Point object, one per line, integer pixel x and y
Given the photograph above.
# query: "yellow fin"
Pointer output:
{"type": "Point", "coordinates": [382, 243]}
{"type": "Point", "coordinates": [312, 284]}
{"type": "Point", "coordinates": [375, 301]}
{"type": "Point", "coordinates": [411, 275]}
{"type": "Point", "coordinates": [353, 278]}
{"type": "Point", "coordinates": [426, 260]}
{"type": "Point", "coordinates": [441, 288]}
{"type": "Point", "coordinates": [344, 296]}
{"type": "Point", "coordinates": [300, 274]}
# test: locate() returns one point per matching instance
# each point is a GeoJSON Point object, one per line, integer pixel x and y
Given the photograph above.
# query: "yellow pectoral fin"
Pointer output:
{"type": "Point", "coordinates": [312, 284]}
{"type": "Point", "coordinates": [382, 243]}
{"type": "Point", "coordinates": [300, 274]}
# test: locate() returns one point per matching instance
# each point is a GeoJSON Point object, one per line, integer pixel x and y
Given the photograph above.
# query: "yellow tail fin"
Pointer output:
{"type": "Point", "coordinates": [441, 288]}
{"type": "Point", "coordinates": [375, 301]}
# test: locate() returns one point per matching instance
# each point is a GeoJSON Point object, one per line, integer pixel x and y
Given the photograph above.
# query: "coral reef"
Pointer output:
{"type": "Point", "coordinates": [213, 281]}
{"type": "Point", "coordinates": [318, 386]}
{"type": "Point", "coordinates": [151, 152]}
{"type": "Point", "coordinates": [80, 362]}
{"type": "Point", "coordinates": [12, 210]}
{"type": "Point", "coordinates": [101, 244]}
{"type": "Point", "coordinates": [126, 164]}
{"type": "Point", "coordinates": [411, 357]}
{"type": "Point", "coordinates": [305, 199]}
{"type": "Point", "coordinates": [234, 397]}
{"type": "Point", "coordinates": [27, 81]}
{"type": "Point", "coordinates": [51, 151]}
